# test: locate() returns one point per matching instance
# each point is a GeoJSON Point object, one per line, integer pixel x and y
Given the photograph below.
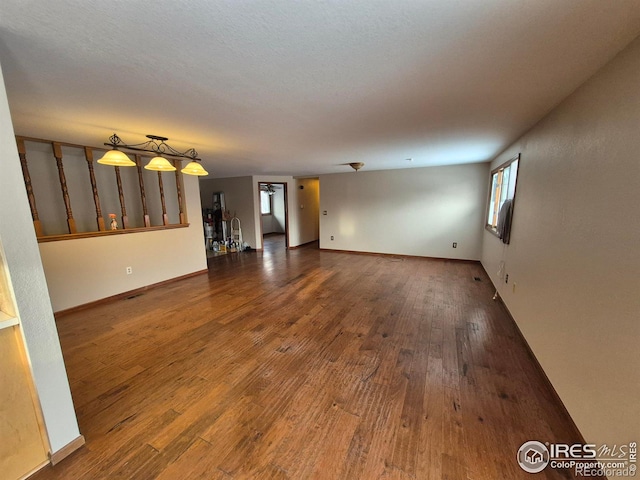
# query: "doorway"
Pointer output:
{"type": "Point", "coordinates": [274, 214]}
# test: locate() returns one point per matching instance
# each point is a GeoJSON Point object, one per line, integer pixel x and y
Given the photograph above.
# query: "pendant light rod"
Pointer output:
{"type": "Point", "coordinates": [156, 145]}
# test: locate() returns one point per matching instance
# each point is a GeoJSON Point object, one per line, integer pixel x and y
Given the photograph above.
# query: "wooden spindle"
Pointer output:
{"type": "Point", "coordinates": [22, 152]}
{"type": "Point", "coordinates": [176, 163]}
{"type": "Point", "coordinates": [165, 217]}
{"type": "Point", "coordinates": [123, 208]}
{"type": "Point", "coordinates": [88, 154]}
{"type": "Point", "coordinates": [143, 197]}
{"type": "Point", "coordinates": [57, 153]}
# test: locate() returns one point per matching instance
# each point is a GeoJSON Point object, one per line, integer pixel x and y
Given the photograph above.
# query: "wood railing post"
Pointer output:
{"type": "Point", "coordinates": [70, 188]}
{"type": "Point", "coordinates": [143, 197]}
{"type": "Point", "coordinates": [22, 153]}
{"type": "Point", "coordinates": [123, 208]}
{"type": "Point", "coordinates": [176, 163]}
{"type": "Point", "coordinates": [165, 217]}
{"type": "Point", "coordinates": [57, 153]}
{"type": "Point", "coordinates": [88, 154]}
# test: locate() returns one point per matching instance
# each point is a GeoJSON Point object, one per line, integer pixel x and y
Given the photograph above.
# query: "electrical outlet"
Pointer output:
{"type": "Point", "coordinates": [129, 270]}
{"type": "Point", "coordinates": [331, 237]}
{"type": "Point", "coordinates": [506, 278]}
{"type": "Point", "coordinates": [455, 244]}
{"type": "Point", "coordinates": [324, 212]}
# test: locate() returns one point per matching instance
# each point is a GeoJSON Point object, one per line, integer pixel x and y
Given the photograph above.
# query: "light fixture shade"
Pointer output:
{"type": "Point", "coordinates": [194, 168]}
{"type": "Point", "coordinates": [159, 164]}
{"type": "Point", "coordinates": [116, 158]}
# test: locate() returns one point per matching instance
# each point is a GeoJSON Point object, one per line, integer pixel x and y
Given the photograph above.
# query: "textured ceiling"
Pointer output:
{"type": "Point", "coordinates": [300, 87]}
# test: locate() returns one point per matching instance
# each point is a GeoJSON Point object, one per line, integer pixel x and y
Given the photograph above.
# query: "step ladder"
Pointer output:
{"type": "Point", "coordinates": [236, 232]}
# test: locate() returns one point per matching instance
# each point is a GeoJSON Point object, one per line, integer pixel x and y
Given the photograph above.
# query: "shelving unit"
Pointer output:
{"type": "Point", "coordinates": [7, 320]}
{"type": "Point", "coordinates": [28, 447]}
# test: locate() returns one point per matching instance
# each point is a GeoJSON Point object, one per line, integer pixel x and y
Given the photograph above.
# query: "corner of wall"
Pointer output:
{"type": "Point", "coordinates": [31, 294]}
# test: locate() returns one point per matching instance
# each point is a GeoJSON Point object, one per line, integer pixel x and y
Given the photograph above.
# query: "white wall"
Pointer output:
{"type": "Point", "coordinates": [88, 269]}
{"type": "Point", "coordinates": [418, 211]}
{"type": "Point", "coordinates": [267, 224]}
{"type": "Point", "coordinates": [574, 251]}
{"type": "Point", "coordinates": [30, 288]}
{"type": "Point", "coordinates": [278, 223]}
{"type": "Point", "coordinates": [308, 205]}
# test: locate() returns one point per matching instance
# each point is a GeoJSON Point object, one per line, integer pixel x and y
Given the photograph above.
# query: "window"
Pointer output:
{"type": "Point", "coordinates": [265, 203]}
{"type": "Point", "coordinates": [503, 188]}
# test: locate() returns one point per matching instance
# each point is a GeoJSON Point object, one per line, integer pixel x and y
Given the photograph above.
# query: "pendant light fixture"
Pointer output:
{"type": "Point", "coordinates": [159, 147]}
{"type": "Point", "coordinates": [116, 158]}
{"type": "Point", "coordinates": [159, 164]}
{"type": "Point", "coordinates": [194, 168]}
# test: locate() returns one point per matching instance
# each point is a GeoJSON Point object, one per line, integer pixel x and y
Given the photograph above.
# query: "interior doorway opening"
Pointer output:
{"type": "Point", "coordinates": [274, 215]}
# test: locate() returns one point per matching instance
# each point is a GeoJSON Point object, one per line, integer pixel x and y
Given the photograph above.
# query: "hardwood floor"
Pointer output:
{"type": "Point", "coordinates": [307, 364]}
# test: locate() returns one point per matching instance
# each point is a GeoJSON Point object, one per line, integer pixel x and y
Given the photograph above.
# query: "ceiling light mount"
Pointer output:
{"type": "Point", "coordinates": [356, 165]}
{"type": "Point", "coordinates": [156, 145]}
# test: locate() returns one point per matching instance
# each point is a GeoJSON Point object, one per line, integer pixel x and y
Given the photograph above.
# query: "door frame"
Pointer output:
{"type": "Point", "coordinates": [286, 212]}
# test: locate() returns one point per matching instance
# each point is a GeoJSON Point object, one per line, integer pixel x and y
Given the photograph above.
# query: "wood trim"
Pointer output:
{"type": "Point", "coordinates": [506, 164]}
{"type": "Point", "coordinates": [178, 165]}
{"type": "Point", "coordinates": [261, 218]}
{"type": "Point", "coordinates": [287, 230]}
{"type": "Point", "coordinates": [68, 449]}
{"type": "Point", "coordinates": [143, 197]}
{"type": "Point", "coordinates": [302, 245]}
{"type": "Point", "coordinates": [22, 153]}
{"type": "Point", "coordinates": [7, 321]}
{"type": "Point", "coordinates": [165, 217]}
{"type": "Point", "coordinates": [35, 470]}
{"type": "Point", "coordinates": [88, 155]}
{"type": "Point", "coordinates": [492, 230]}
{"type": "Point", "coordinates": [126, 294]}
{"type": "Point", "coordinates": [285, 186]}
{"type": "Point", "coordinates": [57, 153]}
{"type": "Point", "coordinates": [500, 170]}
{"type": "Point", "coordinates": [62, 144]}
{"type": "Point", "coordinates": [396, 255]}
{"type": "Point", "coordinates": [75, 236]}
{"type": "Point", "coordinates": [123, 207]}
{"type": "Point", "coordinates": [536, 363]}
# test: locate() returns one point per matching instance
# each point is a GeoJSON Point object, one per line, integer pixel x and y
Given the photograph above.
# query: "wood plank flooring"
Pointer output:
{"type": "Point", "coordinates": [307, 364]}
